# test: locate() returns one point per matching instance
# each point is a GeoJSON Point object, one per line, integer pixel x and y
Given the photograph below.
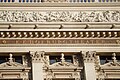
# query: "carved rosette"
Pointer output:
{"type": "Point", "coordinates": [37, 56]}
{"type": "Point", "coordinates": [89, 56]}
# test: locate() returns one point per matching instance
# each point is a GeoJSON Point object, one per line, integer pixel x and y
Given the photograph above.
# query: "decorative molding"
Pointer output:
{"type": "Point", "coordinates": [101, 74]}
{"type": "Point", "coordinates": [59, 34]}
{"type": "Point", "coordinates": [60, 41]}
{"type": "Point", "coordinates": [39, 57]}
{"type": "Point", "coordinates": [62, 63]}
{"type": "Point", "coordinates": [89, 57]}
{"type": "Point", "coordinates": [59, 16]}
{"type": "Point", "coordinates": [76, 60]}
{"type": "Point", "coordinates": [97, 62]}
{"type": "Point", "coordinates": [11, 65]}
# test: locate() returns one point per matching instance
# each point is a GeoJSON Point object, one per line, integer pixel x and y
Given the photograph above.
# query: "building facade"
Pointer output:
{"type": "Point", "coordinates": [59, 39]}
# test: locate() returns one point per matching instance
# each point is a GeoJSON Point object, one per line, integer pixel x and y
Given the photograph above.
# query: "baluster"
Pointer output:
{"type": "Point", "coordinates": [114, 0]}
{"type": "Point", "coordinates": [108, 0]}
{"type": "Point", "coordinates": [39, 1]}
{"type": "Point", "coordinates": [98, 0]}
{"type": "Point", "coordinates": [118, 0]}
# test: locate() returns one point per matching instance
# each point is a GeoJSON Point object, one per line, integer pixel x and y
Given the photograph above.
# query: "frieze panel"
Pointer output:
{"type": "Point", "coordinates": [59, 16]}
{"type": "Point", "coordinates": [59, 41]}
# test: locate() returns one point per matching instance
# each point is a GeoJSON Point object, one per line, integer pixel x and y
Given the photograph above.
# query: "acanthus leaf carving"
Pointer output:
{"type": "Point", "coordinates": [39, 57]}
{"type": "Point", "coordinates": [59, 16]}
{"type": "Point", "coordinates": [89, 56]}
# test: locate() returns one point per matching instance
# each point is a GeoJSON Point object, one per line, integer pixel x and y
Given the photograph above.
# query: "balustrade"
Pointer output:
{"type": "Point", "coordinates": [69, 1]}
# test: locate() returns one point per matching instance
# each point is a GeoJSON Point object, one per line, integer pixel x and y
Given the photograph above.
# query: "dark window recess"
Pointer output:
{"type": "Point", "coordinates": [54, 59]}
{"type": "Point", "coordinates": [6, 59]}
{"type": "Point", "coordinates": [106, 59]}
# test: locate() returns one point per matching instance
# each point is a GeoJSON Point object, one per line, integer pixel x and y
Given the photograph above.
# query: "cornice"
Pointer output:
{"type": "Point", "coordinates": [59, 26]}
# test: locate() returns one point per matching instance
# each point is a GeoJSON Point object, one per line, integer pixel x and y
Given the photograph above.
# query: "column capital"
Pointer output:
{"type": "Point", "coordinates": [37, 56]}
{"type": "Point", "coordinates": [88, 56]}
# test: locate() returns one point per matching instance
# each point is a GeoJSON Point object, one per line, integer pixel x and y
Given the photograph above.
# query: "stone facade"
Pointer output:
{"type": "Point", "coordinates": [60, 40]}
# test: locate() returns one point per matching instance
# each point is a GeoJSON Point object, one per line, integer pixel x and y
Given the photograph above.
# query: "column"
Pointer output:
{"type": "Point", "coordinates": [89, 66]}
{"type": "Point", "coordinates": [37, 65]}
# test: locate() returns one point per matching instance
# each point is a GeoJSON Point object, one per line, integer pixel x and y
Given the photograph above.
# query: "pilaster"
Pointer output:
{"type": "Point", "coordinates": [89, 65]}
{"type": "Point", "coordinates": [37, 64]}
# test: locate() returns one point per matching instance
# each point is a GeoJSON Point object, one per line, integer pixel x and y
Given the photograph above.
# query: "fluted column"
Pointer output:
{"type": "Point", "coordinates": [37, 65]}
{"type": "Point", "coordinates": [89, 65]}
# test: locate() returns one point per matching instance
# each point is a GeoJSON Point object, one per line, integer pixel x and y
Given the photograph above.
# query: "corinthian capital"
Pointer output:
{"type": "Point", "coordinates": [88, 56]}
{"type": "Point", "coordinates": [37, 56]}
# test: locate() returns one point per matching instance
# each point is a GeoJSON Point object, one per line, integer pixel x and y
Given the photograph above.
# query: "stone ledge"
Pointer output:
{"type": "Point", "coordinates": [60, 4]}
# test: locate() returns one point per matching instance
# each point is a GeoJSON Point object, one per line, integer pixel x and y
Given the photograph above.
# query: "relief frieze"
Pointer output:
{"type": "Point", "coordinates": [59, 16]}
{"type": "Point", "coordinates": [60, 41]}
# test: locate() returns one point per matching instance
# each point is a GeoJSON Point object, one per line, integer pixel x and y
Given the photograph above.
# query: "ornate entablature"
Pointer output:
{"type": "Point", "coordinates": [60, 16]}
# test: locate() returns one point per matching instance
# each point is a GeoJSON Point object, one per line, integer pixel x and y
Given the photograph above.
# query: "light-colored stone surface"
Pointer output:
{"type": "Point", "coordinates": [83, 30]}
